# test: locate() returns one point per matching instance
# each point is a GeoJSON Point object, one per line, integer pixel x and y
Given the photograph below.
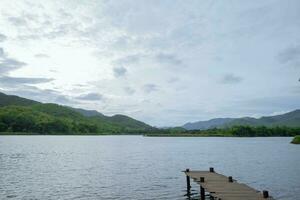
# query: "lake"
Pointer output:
{"type": "Point", "coordinates": [137, 167]}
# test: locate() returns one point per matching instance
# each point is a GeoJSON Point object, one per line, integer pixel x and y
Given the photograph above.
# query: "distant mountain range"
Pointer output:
{"type": "Point", "coordinates": [19, 114]}
{"type": "Point", "coordinates": [290, 119]}
{"type": "Point", "coordinates": [203, 125]}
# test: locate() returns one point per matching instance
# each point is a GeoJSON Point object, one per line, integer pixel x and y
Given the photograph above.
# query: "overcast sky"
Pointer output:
{"type": "Point", "coordinates": [164, 62]}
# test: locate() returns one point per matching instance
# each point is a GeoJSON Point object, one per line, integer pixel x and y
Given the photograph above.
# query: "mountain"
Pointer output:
{"type": "Point", "coordinates": [290, 119]}
{"type": "Point", "coordinates": [87, 113]}
{"type": "Point", "coordinates": [203, 125]}
{"type": "Point", "coordinates": [127, 121]}
{"type": "Point", "coordinates": [18, 114]}
{"type": "Point", "coordinates": [6, 100]}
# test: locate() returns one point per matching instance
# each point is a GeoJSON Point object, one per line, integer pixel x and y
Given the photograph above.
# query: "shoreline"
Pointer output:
{"type": "Point", "coordinates": [128, 134]}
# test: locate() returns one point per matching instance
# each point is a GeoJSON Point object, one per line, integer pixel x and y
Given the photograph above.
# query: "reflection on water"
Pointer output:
{"type": "Point", "coordinates": [136, 167]}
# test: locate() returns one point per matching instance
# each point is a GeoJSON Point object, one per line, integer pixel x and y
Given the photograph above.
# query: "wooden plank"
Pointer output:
{"type": "Point", "coordinates": [219, 186]}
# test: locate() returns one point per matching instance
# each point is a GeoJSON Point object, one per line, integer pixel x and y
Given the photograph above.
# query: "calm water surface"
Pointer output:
{"type": "Point", "coordinates": [136, 167]}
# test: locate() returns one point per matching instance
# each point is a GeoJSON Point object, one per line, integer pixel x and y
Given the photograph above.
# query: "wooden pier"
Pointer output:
{"type": "Point", "coordinates": [216, 186]}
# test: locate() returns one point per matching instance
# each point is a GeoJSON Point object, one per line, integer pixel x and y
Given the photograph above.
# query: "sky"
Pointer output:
{"type": "Point", "coordinates": [164, 62]}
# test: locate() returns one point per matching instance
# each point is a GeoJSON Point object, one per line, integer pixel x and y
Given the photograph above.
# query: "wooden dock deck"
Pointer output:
{"type": "Point", "coordinates": [220, 187]}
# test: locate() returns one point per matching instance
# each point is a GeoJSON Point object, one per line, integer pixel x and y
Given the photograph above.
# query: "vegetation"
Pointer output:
{"type": "Point", "coordinates": [290, 119]}
{"type": "Point", "coordinates": [24, 116]}
{"type": "Point", "coordinates": [53, 119]}
{"type": "Point", "coordinates": [20, 115]}
{"type": "Point", "coordinates": [296, 140]}
{"type": "Point", "coordinates": [6, 100]}
{"type": "Point", "coordinates": [235, 131]}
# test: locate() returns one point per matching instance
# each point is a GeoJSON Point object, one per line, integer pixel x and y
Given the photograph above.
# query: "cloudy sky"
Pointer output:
{"type": "Point", "coordinates": [165, 62]}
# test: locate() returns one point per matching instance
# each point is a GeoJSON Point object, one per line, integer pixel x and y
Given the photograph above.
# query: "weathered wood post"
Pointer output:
{"type": "Point", "coordinates": [202, 180]}
{"type": "Point", "coordinates": [188, 183]}
{"type": "Point", "coordinates": [202, 191]}
{"type": "Point", "coordinates": [265, 194]}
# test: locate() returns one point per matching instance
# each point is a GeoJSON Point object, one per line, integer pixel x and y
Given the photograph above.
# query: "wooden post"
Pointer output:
{"type": "Point", "coordinates": [202, 193]}
{"type": "Point", "coordinates": [188, 183]}
{"type": "Point", "coordinates": [211, 169]}
{"type": "Point", "coordinates": [230, 179]}
{"type": "Point", "coordinates": [265, 194]}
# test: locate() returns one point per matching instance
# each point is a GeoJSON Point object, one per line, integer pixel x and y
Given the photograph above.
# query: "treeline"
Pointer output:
{"type": "Point", "coordinates": [235, 131]}
{"type": "Point", "coordinates": [262, 131]}
{"type": "Point", "coordinates": [55, 119]}
{"type": "Point", "coordinates": [48, 120]}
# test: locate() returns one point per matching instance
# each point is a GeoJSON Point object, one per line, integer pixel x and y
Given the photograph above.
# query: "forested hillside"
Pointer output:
{"type": "Point", "coordinates": [290, 119]}
{"type": "Point", "coordinates": [23, 115]}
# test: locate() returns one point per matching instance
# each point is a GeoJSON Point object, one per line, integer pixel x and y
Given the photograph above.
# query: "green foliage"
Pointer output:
{"type": "Point", "coordinates": [235, 131]}
{"type": "Point", "coordinates": [6, 100]}
{"type": "Point", "coordinates": [57, 110]}
{"type": "Point", "coordinates": [296, 140]}
{"type": "Point", "coordinates": [20, 115]}
{"type": "Point", "coordinates": [290, 119]}
{"type": "Point", "coordinates": [55, 119]}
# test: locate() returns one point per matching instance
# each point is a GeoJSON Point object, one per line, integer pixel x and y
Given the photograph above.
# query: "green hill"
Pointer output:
{"type": "Point", "coordinates": [290, 119]}
{"type": "Point", "coordinates": [57, 110]}
{"type": "Point", "coordinates": [87, 113]}
{"type": "Point", "coordinates": [22, 115]}
{"type": "Point", "coordinates": [6, 100]}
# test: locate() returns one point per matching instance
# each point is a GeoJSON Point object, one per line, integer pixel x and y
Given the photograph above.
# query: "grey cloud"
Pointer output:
{"type": "Point", "coordinates": [46, 96]}
{"type": "Point", "coordinates": [11, 81]}
{"type": "Point", "coordinates": [123, 42]}
{"type": "Point", "coordinates": [17, 21]}
{"type": "Point", "coordinates": [91, 97]}
{"type": "Point", "coordinates": [42, 25]}
{"type": "Point", "coordinates": [41, 55]}
{"type": "Point", "coordinates": [173, 80]}
{"type": "Point", "coordinates": [64, 14]}
{"type": "Point", "coordinates": [61, 30]}
{"type": "Point", "coordinates": [62, 100]}
{"type": "Point", "coordinates": [148, 88]}
{"type": "Point", "coordinates": [9, 64]}
{"type": "Point", "coordinates": [231, 79]}
{"type": "Point", "coordinates": [163, 58]}
{"type": "Point", "coordinates": [131, 59]}
{"type": "Point", "coordinates": [1, 53]}
{"type": "Point", "coordinates": [129, 90]}
{"type": "Point", "coordinates": [2, 37]}
{"type": "Point", "coordinates": [119, 71]}
{"type": "Point", "coordinates": [81, 85]}
{"type": "Point", "coordinates": [290, 55]}
{"type": "Point", "coordinates": [168, 58]}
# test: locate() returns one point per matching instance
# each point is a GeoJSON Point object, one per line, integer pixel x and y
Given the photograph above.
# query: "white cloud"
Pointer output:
{"type": "Point", "coordinates": [172, 56]}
